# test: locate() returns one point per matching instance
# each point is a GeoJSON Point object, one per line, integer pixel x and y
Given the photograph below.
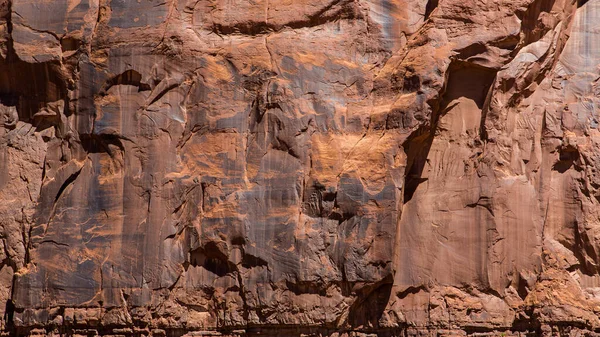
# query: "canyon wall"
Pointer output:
{"type": "Point", "coordinates": [299, 168]}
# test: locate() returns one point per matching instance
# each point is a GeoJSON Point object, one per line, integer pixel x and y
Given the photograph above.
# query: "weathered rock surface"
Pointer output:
{"type": "Point", "coordinates": [343, 168]}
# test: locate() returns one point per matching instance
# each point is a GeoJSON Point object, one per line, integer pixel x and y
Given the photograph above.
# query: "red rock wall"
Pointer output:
{"type": "Point", "coordinates": [299, 168]}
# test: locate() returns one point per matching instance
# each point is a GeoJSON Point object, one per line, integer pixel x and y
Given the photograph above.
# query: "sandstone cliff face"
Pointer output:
{"type": "Point", "coordinates": [353, 167]}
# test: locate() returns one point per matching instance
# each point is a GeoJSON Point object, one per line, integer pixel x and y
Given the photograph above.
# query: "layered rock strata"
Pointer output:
{"type": "Point", "coordinates": [301, 168]}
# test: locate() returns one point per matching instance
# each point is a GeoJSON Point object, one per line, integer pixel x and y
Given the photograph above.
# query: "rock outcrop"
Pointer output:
{"type": "Point", "coordinates": [301, 168]}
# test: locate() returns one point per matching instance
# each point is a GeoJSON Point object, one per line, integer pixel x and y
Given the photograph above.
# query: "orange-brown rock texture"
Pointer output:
{"type": "Point", "coordinates": [299, 168]}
